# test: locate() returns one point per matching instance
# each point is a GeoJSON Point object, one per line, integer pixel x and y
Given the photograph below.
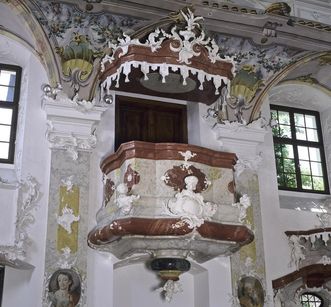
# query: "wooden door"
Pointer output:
{"type": "Point", "coordinates": [149, 121]}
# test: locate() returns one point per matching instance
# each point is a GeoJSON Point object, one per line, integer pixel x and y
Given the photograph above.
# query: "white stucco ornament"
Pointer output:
{"type": "Point", "coordinates": [28, 197]}
{"type": "Point", "coordinates": [56, 94]}
{"type": "Point", "coordinates": [67, 218]}
{"type": "Point", "coordinates": [66, 260]}
{"type": "Point", "coordinates": [68, 182]}
{"type": "Point", "coordinates": [187, 155]}
{"type": "Point", "coordinates": [170, 288]}
{"type": "Point", "coordinates": [190, 206]}
{"type": "Point", "coordinates": [243, 204]}
{"type": "Point", "coordinates": [297, 254]}
{"type": "Point", "coordinates": [123, 200]}
{"type": "Point", "coordinates": [187, 43]}
{"type": "Point", "coordinates": [325, 260]}
{"type": "Point", "coordinates": [252, 164]}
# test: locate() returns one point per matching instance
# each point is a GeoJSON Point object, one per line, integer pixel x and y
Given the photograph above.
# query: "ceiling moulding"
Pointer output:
{"type": "Point", "coordinates": [174, 202]}
{"type": "Point", "coordinates": [229, 18]}
{"type": "Point", "coordinates": [178, 60]}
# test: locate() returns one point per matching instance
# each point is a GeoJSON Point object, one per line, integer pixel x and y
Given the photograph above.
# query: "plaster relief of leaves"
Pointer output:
{"type": "Point", "coordinates": [248, 164]}
{"type": "Point", "coordinates": [67, 218]}
{"type": "Point", "coordinates": [190, 206]}
{"type": "Point", "coordinates": [66, 260]}
{"type": "Point", "coordinates": [70, 143]}
{"type": "Point", "coordinates": [29, 195]}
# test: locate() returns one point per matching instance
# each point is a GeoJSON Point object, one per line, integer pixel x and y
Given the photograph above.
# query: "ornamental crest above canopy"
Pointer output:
{"type": "Point", "coordinates": [180, 60]}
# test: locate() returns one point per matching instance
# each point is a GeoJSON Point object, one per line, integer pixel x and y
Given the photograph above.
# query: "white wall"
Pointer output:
{"type": "Point", "coordinates": [24, 288]}
{"type": "Point", "coordinates": [277, 220]}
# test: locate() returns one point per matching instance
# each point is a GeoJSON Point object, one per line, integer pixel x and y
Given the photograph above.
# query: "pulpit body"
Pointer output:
{"type": "Point", "coordinates": [175, 202]}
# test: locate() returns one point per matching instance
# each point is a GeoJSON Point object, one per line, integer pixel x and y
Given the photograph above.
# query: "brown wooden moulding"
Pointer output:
{"type": "Point", "coordinates": [166, 151]}
{"type": "Point", "coordinates": [307, 232]}
{"type": "Point", "coordinates": [166, 55]}
{"type": "Point", "coordinates": [164, 227]}
{"type": "Point", "coordinates": [314, 275]}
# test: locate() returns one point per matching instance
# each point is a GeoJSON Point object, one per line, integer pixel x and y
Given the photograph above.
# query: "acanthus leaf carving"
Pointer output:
{"type": "Point", "coordinates": [71, 143]}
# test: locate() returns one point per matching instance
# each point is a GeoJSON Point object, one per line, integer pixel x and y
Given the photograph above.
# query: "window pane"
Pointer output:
{"type": "Point", "coordinates": [7, 77]}
{"type": "Point", "coordinates": [274, 114]}
{"type": "Point", "coordinates": [288, 151]}
{"type": "Point", "coordinates": [5, 133]}
{"type": "Point", "coordinates": [275, 131]}
{"type": "Point", "coordinates": [4, 150]}
{"type": "Point", "coordinates": [291, 181]}
{"type": "Point", "coordinates": [314, 154]}
{"type": "Point", "coordinates": [278, 150]}
{"type": "Point", "coordinates": [5, 116]}
{"type": "Point", "coordinates": [318, 183]}
{"type": "Point", "coordinates": [284, 117]}
{"type": "Point", "coordinates": [312, 135]}
{"type": "Point", "coordinates": [299, 119]}
{"type": "Point", "coordinates": [279, 165]}
{"type": "Point", "coordinates": [303, 153]}
{"type": "Point", "coordinates": [281, 180]}
{"type": "Point", "coordinates": [305, 167]}
{"type": "Point", "coordinates": [289, 166]}
{"type": "Point", "coordinates": [306, 182]}
{"type": "Point", "coordinates": [310, 121]}
{"type": "Point", "coordinates": [300, 133]}
{"type": "Point", "coordinates": [316, 168]}
{"type": "Point", "coordinates": [285, 131]}
{"type": "Point", "coordinates": [6, 93]}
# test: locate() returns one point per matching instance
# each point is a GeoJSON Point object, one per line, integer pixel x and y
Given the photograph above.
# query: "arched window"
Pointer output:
{"type": "Point", "coordinates": [10, 80]}
{"type": "Point", "coordinates": [311, 300]}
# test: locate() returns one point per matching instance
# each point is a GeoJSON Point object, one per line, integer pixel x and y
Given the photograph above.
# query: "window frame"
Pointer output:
{"type": "Point", "coordinates": [14, 106]}
{"type": "Point", "coordinates": [296, 142]}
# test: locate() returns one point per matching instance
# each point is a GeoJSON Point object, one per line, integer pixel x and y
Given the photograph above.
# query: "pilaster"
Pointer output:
{"type": "Point", "coordinates": [247, 265]}
{"type": "Point", "coordinates": [71, 135]}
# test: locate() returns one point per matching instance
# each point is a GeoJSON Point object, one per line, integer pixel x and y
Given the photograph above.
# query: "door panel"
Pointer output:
{"type": "Point", "coordinates": [149, 121]}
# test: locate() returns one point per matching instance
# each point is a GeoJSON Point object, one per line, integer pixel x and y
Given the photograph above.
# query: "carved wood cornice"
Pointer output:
{"type": "Point", "coordinates": [314, 275]}
{"type": "Point", "coordinates": [166, 151]}
{"type": "Point", "coordinates": [307, 232]}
